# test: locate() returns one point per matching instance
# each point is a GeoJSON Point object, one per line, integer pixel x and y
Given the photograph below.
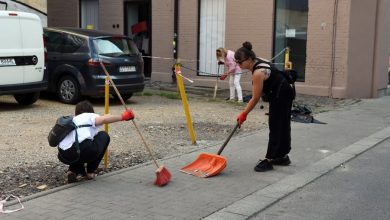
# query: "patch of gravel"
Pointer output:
{"type": "Point", "coordinates": [28, 165]}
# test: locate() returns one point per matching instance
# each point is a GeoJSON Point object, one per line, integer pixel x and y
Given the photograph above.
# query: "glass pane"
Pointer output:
{"type": "Point", "coordinates": [211, 34]}
{"type": "Point", "coordinates": [73, 44]}
{"type": "Point", "coordinates": [115, 47]}
{"type": "Point", "coordinates": [89, 14]}
{"type": "Point", "coordinates": [291, 31]}
{"type": "Point", "coordinates": [53, 41]}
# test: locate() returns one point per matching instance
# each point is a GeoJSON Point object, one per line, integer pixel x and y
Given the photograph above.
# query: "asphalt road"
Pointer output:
{"type": "Point", "coordinates": [357, 190]}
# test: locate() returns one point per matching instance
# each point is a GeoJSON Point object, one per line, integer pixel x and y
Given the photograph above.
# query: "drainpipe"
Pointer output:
{"type": "Point", "coordinates": [375, 49]}
{"type": "Point", "coordinates": [333, 57]}
{"type": "Point", "coordinates": [176, 30]}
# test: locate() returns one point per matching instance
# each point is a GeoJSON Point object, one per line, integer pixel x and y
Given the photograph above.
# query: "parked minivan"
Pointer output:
{"type": "Point", "coordinates": [22, 62]}
{"type": "Point", "coordinates": [74, 69]}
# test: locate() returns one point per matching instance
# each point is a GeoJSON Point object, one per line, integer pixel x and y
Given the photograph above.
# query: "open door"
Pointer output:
{"type": "Point", "coordinates": [138, 26]}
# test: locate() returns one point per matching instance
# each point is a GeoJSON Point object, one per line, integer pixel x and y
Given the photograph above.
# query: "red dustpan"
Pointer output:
{"type": "Point", "coordinates": [207, 165]}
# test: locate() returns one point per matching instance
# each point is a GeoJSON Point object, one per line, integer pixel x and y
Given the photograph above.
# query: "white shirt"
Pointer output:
{"type": "Point", "coordinates": [82, 133]}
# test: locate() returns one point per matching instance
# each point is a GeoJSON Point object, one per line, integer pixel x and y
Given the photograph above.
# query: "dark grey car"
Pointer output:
{"type": "Point", "coordinates": [74, 69]}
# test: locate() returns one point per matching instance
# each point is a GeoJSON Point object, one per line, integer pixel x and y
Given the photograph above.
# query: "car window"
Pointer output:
{"type": "Point", "coordinates": [53, 41]}
{"type": "Point", "coordinates": [115, 47]}
{"type": "Point", "coordinates": [73, 44]}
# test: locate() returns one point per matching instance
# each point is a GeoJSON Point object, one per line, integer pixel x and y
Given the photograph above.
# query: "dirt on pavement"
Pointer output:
{"type": "Point", "coordinates": [28, 165]}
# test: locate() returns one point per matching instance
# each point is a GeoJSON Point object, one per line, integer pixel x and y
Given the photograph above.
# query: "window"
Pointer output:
{"type": "Point", "coordinates": [53, 41]}
{"type": "Point", "coordinates": [73, 44]}
{"type": "Point", "coordinates": [211, 34]}
{"type": "Point", "coordinates": [290, 30]}
{"type": "Point", "coordinates": [115, 47]}
{"type": "Point", "coordinates": [89, 14]}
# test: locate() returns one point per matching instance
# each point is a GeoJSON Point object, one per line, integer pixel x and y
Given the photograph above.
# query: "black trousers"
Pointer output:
{"type": "Point", "coordinates": [279, 122]}
{"type": "Point", "coordinates": [91, 153]}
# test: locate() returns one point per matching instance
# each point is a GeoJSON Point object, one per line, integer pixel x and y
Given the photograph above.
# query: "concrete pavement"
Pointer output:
{"type": "Point", "coordinates": [356, 190]}
{"type": "Point", "coordinates": [239, 192]}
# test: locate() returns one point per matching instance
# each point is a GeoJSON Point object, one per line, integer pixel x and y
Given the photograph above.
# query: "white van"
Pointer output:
{"type": "Point", "coordinates": [22, 56]}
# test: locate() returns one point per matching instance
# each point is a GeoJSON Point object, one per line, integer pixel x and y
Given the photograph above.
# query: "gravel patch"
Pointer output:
{"type": "Point", "coordinates": [28, 165]}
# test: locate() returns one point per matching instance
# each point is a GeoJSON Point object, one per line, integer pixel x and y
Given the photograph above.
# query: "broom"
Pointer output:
{"type": "Point", "coordinates": [162, 173]}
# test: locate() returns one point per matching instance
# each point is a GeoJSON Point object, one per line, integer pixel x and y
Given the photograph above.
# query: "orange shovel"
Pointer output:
{"type": "Point", "coordinates": [207, 165]}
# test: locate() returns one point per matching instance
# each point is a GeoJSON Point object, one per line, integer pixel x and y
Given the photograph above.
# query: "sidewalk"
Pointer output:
{"type": "Point", "coordinates": [238, 192]}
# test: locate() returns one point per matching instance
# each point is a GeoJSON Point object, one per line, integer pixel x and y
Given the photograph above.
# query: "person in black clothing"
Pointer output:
{"type": "Point", "coordinates": [280, 95]}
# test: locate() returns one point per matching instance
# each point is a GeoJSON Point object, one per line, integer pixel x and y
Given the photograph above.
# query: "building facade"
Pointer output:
{"type": "Point", "coordinates": [339, 47]}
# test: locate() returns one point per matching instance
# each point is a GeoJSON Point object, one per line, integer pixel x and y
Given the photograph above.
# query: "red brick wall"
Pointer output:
{"type": "Point", "coordinates": [188, 35]}
{"type": "Point", "coordinates": [162, 38]}
{"type": "Point", "coordinates": [250, 20]}
{"type": "Point", "coordinates": [319, 48]}
{"type": "Point", "coordinates": [111, 13]}
{"type": "Point", "coordinates": [63, 13]}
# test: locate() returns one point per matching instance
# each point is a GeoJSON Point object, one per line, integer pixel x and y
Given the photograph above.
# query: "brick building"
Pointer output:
{"type": "Point", "coordinates": [339, 47]}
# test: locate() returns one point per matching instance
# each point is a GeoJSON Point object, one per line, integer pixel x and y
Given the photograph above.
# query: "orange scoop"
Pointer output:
{"type": "Point", "coordinates": [207, 165]}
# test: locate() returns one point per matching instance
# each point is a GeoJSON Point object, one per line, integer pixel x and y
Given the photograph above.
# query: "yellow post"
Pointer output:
{"type": "Point", "coordinates": [180, 84]}
{"type": "Point", "coordinates": [106, 105]}
{"type": "Point", "coordinates": [287, 63]}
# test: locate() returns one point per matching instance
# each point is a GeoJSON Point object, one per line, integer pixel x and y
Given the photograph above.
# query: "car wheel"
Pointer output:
{"type": "Point", "coordinates": [27, 99]}
{"type": "Point", "coordinates": [124, 96]}
{"type": "Point", "coordinates": [68, 90]}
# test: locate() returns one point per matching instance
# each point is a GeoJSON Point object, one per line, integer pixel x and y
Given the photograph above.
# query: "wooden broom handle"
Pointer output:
{"type": "Point", "coordinates": [124, 105]}
{"type": "Point", "coordinates": [146, 145]}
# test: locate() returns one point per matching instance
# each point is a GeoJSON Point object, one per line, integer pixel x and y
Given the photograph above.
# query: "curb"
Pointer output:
{"type": "Point", "coordinates": [260, 200]}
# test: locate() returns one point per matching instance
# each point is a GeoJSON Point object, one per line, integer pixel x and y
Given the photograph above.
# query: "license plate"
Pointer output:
{"type": "Point", "coordinates": [7, 62]}
{"type": "Point", "coordinates": [126, 69]}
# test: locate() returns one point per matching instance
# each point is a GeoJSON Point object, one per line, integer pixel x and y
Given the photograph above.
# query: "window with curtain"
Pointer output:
{"type": "Point", "coordinates": [211, 34]}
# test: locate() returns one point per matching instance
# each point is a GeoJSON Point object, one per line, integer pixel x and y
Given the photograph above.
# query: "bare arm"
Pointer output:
{"type": "Point", "coordinates": [257, 90]}
{"type": "Point", "coordinates": [107, 119]}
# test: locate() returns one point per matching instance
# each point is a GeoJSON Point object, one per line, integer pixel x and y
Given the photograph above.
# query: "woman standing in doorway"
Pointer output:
{"type": "Point", "coordinates": [280, 95]}
{"type": "Point", "coordinates": [233, 71]}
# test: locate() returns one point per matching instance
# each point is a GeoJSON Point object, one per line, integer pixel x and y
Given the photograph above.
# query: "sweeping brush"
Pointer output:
{"type": "Point", "coordinates": [163, 176]}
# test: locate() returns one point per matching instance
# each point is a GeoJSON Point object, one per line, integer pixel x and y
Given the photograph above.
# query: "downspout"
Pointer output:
{"type": "Point", "coordinates": [176, 30]}
{"type": "Point", "coordinates": [375, 49]}
{"type": "Point", "coordinates": [333, 57]}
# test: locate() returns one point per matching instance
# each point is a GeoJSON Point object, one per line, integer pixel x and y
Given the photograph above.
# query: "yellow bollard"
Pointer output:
{"type": "Point", "coordinates": [106, 106]}
{"type": "Point", "coordinates": [180, 84]}
{"type": "Point", "coordinates": [287, 63]}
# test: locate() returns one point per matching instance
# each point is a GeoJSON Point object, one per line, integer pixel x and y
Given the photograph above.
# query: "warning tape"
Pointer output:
{"type": "Point", "coordinates": [208, 73]}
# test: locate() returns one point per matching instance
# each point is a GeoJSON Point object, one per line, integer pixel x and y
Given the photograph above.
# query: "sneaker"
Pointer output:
{"type": "Point", "coordinates": [263, 166]}
{"type": "Point", "coordinates": [72, 177]}
{"type": "Point", "coordinates": [284, 161]}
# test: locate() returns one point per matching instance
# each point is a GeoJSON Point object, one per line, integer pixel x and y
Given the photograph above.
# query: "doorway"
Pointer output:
{"type": "Point", "coordinates": [138, 26]}
{"type": "Point", "coordinates": [290, 30]}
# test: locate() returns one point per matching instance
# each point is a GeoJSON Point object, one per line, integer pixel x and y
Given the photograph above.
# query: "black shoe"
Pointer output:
{"type": "Point", "coordinates": [72, 177]}
{"type": "Point", "coordinates": [283, 161]}
{"type": "Point", "coordinates": [263, 165]}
